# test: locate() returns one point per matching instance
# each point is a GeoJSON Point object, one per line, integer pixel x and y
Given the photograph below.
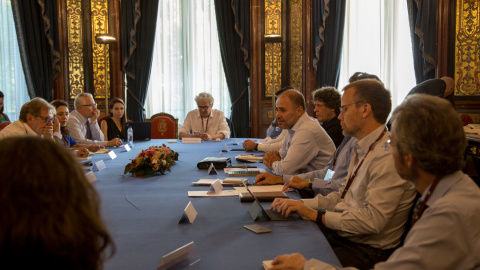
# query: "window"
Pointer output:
{"type": "Point", "coordinates": [377, 40]}
{"type": "Point", "coordinates": [186, 59]}
{"type": "Point", "coordinates": [12, 79]}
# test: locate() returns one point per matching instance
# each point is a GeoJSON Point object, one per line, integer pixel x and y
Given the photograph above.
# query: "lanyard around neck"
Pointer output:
{"type": "Point", "coordinates": [206, 126]}
{"type": "Point", "coordinates": [350, 180]}
{"type": "Point", "coordinates": [422, 206]}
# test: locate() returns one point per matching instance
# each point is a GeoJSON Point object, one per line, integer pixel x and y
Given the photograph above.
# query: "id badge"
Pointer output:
{"type": "Point", "coordinates": [329, 175]}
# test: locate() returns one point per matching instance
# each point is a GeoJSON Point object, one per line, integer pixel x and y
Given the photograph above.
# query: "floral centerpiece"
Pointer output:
{"type": "Point", "coordinates": [151, 161]}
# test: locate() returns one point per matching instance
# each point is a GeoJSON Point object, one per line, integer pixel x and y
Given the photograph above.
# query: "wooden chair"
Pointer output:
{"type": "Point", "coordinates": [4, 124]}
{"type": "Point", "coordinates": [102, 118]}
{"type": "Point", "coordinates": [164, 126]}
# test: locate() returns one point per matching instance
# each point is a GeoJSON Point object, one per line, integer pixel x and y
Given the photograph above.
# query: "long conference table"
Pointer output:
{"type": "Point", "coordinates": [142, 214]}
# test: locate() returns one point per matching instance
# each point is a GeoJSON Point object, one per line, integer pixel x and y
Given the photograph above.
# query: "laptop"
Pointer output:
{"type": "Point", "coordinates": [258, 213]}
{"type": "Point", "coordinates": [142, 131]}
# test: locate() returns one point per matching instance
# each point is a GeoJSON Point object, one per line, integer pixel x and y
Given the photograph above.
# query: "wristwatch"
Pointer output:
{"type": "Point", "coordinates": [320, 214]}
{"type": "Point", "coordinates": [310, 183]}
{"type": "Point", "coordinates": [256, 147]}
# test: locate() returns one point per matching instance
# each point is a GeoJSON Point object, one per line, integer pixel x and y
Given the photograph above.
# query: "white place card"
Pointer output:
{"type": "Point", "coordinates": [112, 155]}
{"type": "Point", "coordinates": [127, 147]}
{"type": "Point", "coordinates": [220, 155]}
{"type": "Point", "coordinates": [189, 214]}
{"type": "Point", "coordinates": [215, 187]}
{"type": "Point", "coordinates": [236, 141]}
{"type": "Point", "coordinates": [181, 258]}
{"type": "Point", "coordinates": [90, 177]}
{"type": "Point", "coordinates": [191, 140]}
{"type": "Point", "coordinates": [226, 147]}
{"type": "Point", "coordinates": [211, 169]}
{"type": "Point", "coordinates": [99, 165]}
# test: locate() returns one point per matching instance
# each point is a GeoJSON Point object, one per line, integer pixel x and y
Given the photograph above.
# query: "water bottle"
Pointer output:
{"type": "Point", "coordinates": [130, 136]}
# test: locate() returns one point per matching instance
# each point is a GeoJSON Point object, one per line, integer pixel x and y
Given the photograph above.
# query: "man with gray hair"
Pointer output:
{"type": "Point", "coordinates": [428, 143]}
{"type": "Point", "coordinates": [205, 122]}
{"type": "Point", "coordinates": [82, 123]}
{"type": "Point", "coordinates": [36, 119]}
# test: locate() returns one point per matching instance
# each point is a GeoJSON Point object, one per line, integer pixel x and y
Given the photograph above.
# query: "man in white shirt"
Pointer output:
{"type": "Point", "coordinates": [36, 119]}
{"type": "Point", "coordinates": [366, 217]}
{"type": "Point", "coordinates": [306, 146]}
{"type": "Point", "coordinates": [445, 232]}
{"type": "Point", "coordinates": [205, 122]}
{"type": "Point", "coordinates": [82, 123]}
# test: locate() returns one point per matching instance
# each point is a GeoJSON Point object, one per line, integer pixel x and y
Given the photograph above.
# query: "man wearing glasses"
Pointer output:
{"type": "Point", "coordinates": [82, 123]}
{"type": "Point", "coordinates": [205, 122]}
{"type": "Point", "coordinates": [364, 220]}
{"type": "Point", "coordinates": [36, 119]}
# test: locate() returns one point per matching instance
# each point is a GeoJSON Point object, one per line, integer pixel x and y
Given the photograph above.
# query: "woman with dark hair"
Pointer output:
{"type": "Point", "coordinates": [60, 125]}
{"type": "Point", "coordinates": [49, 219]}
{"type": "Point", "coordinates": [114, 126]}
{"type": "Point", "coordinates": [3, 117]}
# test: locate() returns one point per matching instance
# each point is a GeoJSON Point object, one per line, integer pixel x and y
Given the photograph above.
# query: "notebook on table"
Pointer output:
{"type": "Point", "coordinates": [142, 131]}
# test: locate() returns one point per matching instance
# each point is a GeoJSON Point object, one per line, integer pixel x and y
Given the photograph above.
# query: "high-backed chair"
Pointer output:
{"type": "Point", "coordinates": [102, 118]}
{"type": "Point", "coordinates": [164, 126]}
{"type": "Point", "coordinates": [4, 124]}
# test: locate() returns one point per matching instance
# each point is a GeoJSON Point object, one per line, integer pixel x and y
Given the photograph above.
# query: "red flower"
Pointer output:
{"type": "Point", "coordinates": [150, 153]}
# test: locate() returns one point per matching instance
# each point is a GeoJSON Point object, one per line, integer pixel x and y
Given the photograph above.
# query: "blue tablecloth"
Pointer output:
{"type": "Point", "coordinates": [142, 214]}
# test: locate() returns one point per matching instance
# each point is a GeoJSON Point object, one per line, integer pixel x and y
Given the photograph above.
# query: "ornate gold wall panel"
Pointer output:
{"type": "Point", "coordinates": [296, 48]}
{"type": "Point", "coordinates": [100, 26]}
{"type": "Point", "coordinates": [273, 26]}
{"type": "Point", "coordinates": [75, 47]}
{"type": "Point", "coordinates": [75, 42]}
{"type": "Point", "coordinates": [467, 48]}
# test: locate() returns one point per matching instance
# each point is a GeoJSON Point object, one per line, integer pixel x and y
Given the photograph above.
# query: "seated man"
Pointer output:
{"type": "Point", "coordinates": [36, 119]}
{"type": "Point", "coordinates": [329, 179]}
{"type": "Point", "coordinates": [205, 122]}
{"type": "Point", "coordinates": [306, 146]}
{"type": "Point", "coordinates": [444, 233]}
{"type": "Point", "coordinates": [365, 218]}
{"type": "Point", "coordinates": [82, 123]}
{"type": "Point", "coordinates": [327, 108]}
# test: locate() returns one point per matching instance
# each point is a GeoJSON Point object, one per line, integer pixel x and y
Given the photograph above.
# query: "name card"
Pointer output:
{"type": "Point", "coordinates": [215, 187]}
{"type": "Point", "coordinates": [189, 214]}
{"type": "Point", "coordinates": [127, 147]}
{"type": "Point", "coordinates": [181, 258]}
{"type": "Point", "coordinates": [90, 177]}
{"type": "Point", "coordinates": [99, 165]}
{"type": "Point", "coordinates": [112, 155]}
{"type": "Point", "coordinates": [211, 169]}
{"type": "Point", "coordinates": [236, 142]}
{"type": "Point", "coordinates": [191, 140]}
{"type": "Point", "coordinates": [226, 147]}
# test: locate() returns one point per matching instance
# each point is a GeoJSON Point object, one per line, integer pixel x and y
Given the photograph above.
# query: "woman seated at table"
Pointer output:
{"type": "Point", "coordinates": [49, 212]}
{"type": "Point", "coordinates": [3, 117]}
{"type": "Point", "coordinates": [60, 125]}
{"type": "Point", "coordinates": [114, 126]}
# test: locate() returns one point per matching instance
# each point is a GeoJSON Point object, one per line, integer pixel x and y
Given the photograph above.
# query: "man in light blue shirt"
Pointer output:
{"type": "Point", "coordinates": [306, 147]}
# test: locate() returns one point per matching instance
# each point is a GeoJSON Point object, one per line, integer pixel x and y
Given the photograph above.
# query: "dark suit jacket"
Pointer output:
{"type": "Point", "coordinates": [334, 130]}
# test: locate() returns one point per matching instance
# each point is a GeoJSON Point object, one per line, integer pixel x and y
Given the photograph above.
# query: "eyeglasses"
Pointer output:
{"type": "Point", "coordinates": [386, 144]}
{"type": "Point", "coordinates": [203, 107]}
{"type": "Point", "coordinates": [343, 109]}
{"type": "Point", "coordinates": [91, 105]}
{"type": "Point", "coordinates": [46, 119]}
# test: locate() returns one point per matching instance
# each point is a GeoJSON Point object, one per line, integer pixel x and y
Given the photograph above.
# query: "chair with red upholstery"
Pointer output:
{"type": "Point", "coordinates": [164, 126]}
{"type": "Point", "coordinates": [102, 118]}
{"type": "Point", "coordinates": [4, 124]}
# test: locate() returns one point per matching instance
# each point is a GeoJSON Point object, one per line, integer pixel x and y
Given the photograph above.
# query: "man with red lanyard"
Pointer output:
{"type": "Point", "coordinates": [365, 218]}
{"type": "Point", "coordinates": [428, 143]}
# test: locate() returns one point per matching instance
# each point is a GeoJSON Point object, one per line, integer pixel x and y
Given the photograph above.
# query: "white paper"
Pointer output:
{"type": "Point", "coordinates": [127, 147]}
{"type": "Point", "coordinates": [112, 155]}
{"type": "Point", "coordinates": [223, 193]}
{"type": "Point", "coordinates": [90, 177]}
{"type": "Point", "coordinates": [99, 165]}
{"type": "Point", "coordinates": [226, 170]}
{"type": "Point", "coordinates": [227, 181]}
{"type": "Point", "coordinates": [265, 188]}
{"type": "Point", "coordinates": [215, 187]}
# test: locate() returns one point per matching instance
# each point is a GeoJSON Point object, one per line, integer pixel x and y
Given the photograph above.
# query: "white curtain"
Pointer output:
{"type": "Point", "coordinates": [186, 59]}
{"type": "Point", "coordinates": [12, 79]}
{"type": "Point", "coordinates": [377, 41]}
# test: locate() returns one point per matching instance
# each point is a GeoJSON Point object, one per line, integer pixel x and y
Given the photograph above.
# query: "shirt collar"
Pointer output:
{"type": "Point", "coordinates": [361, 147]}
{"type": "Point", "coordinates": [79, 115]}
{"type": "Point", "coordinates": [443, 186]}
{"type": "Point", "coordinates": [200, 116]}
{"type": "Point", "coordinates": [299, 122]}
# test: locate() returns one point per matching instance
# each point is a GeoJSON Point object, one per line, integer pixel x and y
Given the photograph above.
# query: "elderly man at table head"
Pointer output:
{"type": "Point", "coordinates": [445, 232]}
{"type": "Point", "coordinates": [306, 146]}
{"type": "Point", "coordinates": [83, 125]}
{"type": "Point", "coordinates": [205, 122]}
{"type": "Point", "coordinates": [36, 118]}
{"type": "Point", "coordinates": [366, 217]}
